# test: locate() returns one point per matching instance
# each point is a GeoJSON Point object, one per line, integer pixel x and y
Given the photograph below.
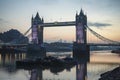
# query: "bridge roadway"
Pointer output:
{"type": "Point", "coordinates": [12, 45]}
{"type": "Point", "coordinates": [54, 24]}
{"type": "Point", "coordinates": [90, 44]}
{"type": "Point", "coordinates": [101, 44]}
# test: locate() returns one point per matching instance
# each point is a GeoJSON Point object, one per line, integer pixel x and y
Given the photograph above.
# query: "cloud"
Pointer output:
{"type": "Point", "coordinates": [98, 24]}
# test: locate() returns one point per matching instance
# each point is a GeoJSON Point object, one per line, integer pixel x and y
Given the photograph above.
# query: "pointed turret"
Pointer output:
{"type": "Point", "coordinates": [76, 13]}
{"type": "Point", "coordinates": [81, 12]}
{"type": "Point", "coordinates": [42, 20]}
{"type": "Point", "coordinates": [37, 16]}
{"type": "Point", "coordinates": [32, 17]}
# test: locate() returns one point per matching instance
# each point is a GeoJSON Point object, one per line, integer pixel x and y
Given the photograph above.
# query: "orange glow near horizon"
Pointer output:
{"type": "Point", "coordinates": [57, 33]}
{"type": "Point", "coordinates": [68, 34]}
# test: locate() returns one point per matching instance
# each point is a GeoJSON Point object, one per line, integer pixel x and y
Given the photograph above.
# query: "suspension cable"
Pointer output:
{"type": "Point", "coordinates": [27, 31]}
{"type": "Point", "coordinates": [100, 36]}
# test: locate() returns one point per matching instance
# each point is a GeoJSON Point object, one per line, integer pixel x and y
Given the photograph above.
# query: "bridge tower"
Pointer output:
{"type": "Point", "coordinates": [80, 45]}
{"type": "Point", "coordinates": [81, 22]}
{"type": "Point", "coordinates": [37, 29]}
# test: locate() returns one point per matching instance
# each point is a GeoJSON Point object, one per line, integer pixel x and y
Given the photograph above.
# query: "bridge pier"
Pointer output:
{"type": "Point", "coordinates": [81, 50]}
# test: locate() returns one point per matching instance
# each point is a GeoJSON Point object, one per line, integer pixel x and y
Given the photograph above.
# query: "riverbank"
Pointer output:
{"type": "Point", "coordinates": [111, 75]}
{"type": "Point", "coordinates": [116, 51]}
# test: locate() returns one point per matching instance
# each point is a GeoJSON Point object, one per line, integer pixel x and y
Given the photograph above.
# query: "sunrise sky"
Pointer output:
{"type": "Point", "coordinates": [103, 16]}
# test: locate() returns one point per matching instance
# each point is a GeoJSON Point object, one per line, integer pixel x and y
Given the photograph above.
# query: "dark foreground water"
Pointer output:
{"type": "Point", "coordinates": [100, 62]}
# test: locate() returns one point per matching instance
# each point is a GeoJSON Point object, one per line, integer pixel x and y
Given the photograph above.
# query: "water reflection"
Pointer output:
{"type": "Point", "coordinates": [36, 74]}
{"type": "Point", "coordinates": [81, 71]}
{"type": "Point", "coordinates": [76, 72]}
{"type": "Point", "coordinates": [7, 60]}
{"type": "Point", "coordinates": [81, 66]}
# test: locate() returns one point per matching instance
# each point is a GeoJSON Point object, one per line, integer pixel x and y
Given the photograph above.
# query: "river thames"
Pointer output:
{"type": "Point", "coordinates": [100, 62]}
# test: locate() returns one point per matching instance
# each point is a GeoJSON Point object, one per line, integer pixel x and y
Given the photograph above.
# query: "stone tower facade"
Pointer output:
{"type": "Point", "coordinates": [37, 29]}
{"type": "Point", "coordinates": [81, 22]}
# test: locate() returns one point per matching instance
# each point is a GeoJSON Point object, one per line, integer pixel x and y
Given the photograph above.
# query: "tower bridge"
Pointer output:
{"type": "Point", "coordinates": [80, 23]}
{"type": "Point", "coordinates": [37, 26]}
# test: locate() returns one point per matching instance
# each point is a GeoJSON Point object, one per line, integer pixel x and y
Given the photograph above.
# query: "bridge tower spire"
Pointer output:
{"type": "Point", "coordinates": [37, 29]}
